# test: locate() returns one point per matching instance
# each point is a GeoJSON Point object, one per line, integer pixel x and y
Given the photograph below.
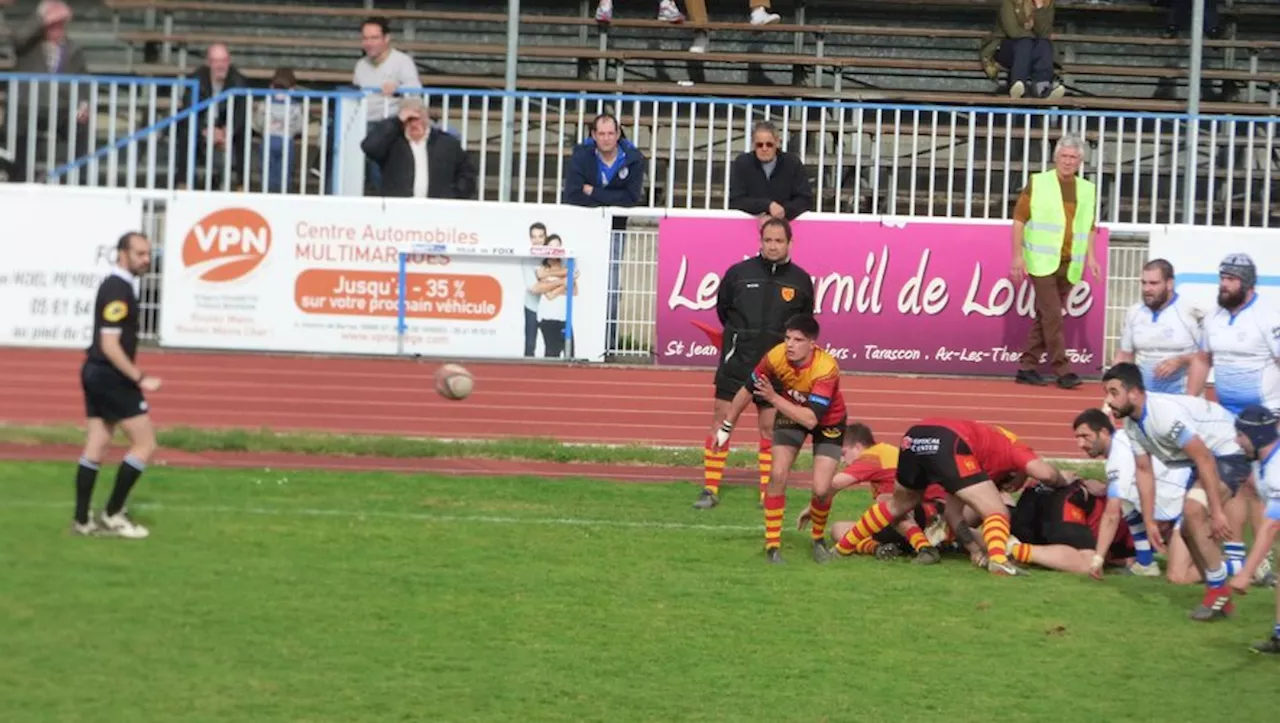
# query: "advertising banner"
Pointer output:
{"type": "Point", "coordinates": [313, 274]}
{"type": "Point", "coordinates": [59, 243]}
{"type": "Point", "coordinates": [919, 297]}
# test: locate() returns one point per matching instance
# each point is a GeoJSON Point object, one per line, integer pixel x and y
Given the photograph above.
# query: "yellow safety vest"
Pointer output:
{"type": "Point", "coordinates": [1045, 231]}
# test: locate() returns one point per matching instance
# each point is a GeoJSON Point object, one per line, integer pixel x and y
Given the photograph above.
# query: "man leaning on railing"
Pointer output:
{"type": "Point", "coordinates": [41, 47]}
{"type": "Point", "coordinates": [766, 181]}
{"type": "Point", "coordinates": [222, 135]}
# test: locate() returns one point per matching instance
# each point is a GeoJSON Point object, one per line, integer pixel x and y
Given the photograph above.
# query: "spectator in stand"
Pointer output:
{"type": "Point", "coordinates": [226, 134]}
{"type": "Point", "coordinates": [668, 12]}
{"type": "Point", "coordinates": [41, 46]}
{"type": "Point", "coordinates": [388, 69]}
{"type": "Point", "coordinates": [278, 126]}
{"type": "Point", "coordinates": [606, 169]}
{"type": "Point", "coordinates": [1180, 17]}
{"type": "Point", "coordinates": [416, 159]}
{"type": "Point", "coordinates": [768, 182]}
{"type": "Point", "coordinates": [1020, 43]}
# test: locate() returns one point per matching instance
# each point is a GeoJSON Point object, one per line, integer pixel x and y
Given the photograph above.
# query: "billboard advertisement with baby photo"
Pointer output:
{"type": "Point", "coordinates": [279, 273]}
{"type": "Point", "coordinates": [915, 297]}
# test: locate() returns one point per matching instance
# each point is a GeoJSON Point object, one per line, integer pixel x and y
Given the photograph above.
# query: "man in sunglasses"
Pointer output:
{"type": "Point", "coordinates": [768, 182]}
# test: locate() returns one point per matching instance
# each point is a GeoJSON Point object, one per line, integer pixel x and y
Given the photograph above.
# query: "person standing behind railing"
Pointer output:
{"type": "Point", "coordinates": [1021, 43]}
{"type": "Point", "coordinates": [388, 69]}
{"type": "Point", "coordinates": [278, 127]}
{"type": "Point", "coordinates": [220, 137]}
{"type": "Point", "coordinates": [41, 46]}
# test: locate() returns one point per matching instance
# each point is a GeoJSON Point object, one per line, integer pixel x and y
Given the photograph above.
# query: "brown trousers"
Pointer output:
{"type": "Point", "coordinates": [1046, 331]}
{"type": "Point", "coordinates": [698, 9]}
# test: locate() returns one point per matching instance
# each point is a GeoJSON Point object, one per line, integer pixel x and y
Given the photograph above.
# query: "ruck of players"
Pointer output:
{"type": "Point", "coordinates": [1188, 478]}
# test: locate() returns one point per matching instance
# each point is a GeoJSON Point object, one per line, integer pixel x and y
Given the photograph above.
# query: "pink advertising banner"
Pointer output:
{"type": "Point", "coordinates": [918, 297]}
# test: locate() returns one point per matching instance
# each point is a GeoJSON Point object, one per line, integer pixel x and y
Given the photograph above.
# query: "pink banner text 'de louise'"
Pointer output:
{"type": "Point", "coordinates": [918, 297]}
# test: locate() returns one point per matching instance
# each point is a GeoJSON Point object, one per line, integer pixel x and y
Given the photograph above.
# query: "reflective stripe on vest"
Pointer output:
{"type": "Point", "coordinates": [1044, 233]}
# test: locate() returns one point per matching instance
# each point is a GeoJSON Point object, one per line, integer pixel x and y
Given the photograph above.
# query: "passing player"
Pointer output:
{"type": "Point", "coordinates": [756, 298]}
{"type": "Point", "coordinates": [1185, 432]}
{"type": "Point", "coordinates": [1242, 344]}
{"type": "Point", "coordinates": [113, 386]}
{"type": "Point", "coordinates": [966, 458]}
{"type": "Point", "coordinates": [810, 406]}
{"type": "Point", "coordinates": [1257, 434]}
{"type": "Point", "coordinates": [1163, 333]}
{"type": "Point", "coordinates": [1097, 436]}
{"type": "Point", "coordinates": [876, 464]}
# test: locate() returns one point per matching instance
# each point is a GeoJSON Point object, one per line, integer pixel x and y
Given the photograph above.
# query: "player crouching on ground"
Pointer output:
{"type": "Point", "coordinates": [964, 457]}
{"type": "Point", "coordinates": [1257, 435]}
{"type": "Point", "coordinates": [811, 406]}
{"type": "Point", "coordinates": [876, 464]}
{"type": "Point", "coordinates": [1097, 436]}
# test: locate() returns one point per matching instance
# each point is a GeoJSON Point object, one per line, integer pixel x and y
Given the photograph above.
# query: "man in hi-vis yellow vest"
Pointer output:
{"type": "Point", "coordinates": [1053, 238]}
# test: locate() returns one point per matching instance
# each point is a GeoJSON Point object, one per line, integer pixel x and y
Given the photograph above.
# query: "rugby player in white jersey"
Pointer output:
{"type": "Point", "coordinates": [1163, 333]}
{"type": "Point", "coordinates": [1185, 432]}
{"type": "Point", "coordinates": [1257, 431]}
{"type": "Point", "coordinates": [1098, 437]}
{"type": "Point", "coordinates": [1242, 343]}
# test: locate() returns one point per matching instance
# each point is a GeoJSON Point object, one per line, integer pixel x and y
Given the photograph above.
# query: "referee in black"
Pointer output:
{"type": "Point", "coordinates": [113, 387]}
{"type": "Point", "coordinates": [756, 298]}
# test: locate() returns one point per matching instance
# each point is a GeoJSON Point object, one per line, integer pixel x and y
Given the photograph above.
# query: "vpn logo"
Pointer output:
{"type": "Point", "coordinates": [227, 244]}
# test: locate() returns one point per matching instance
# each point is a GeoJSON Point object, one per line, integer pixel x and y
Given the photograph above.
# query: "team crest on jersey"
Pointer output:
{"type": "Point", "coordinates": [788, 293]}
{"type": "Point", "coordinates": [115, 311]}
{"type": "Point", "coordinates": [968, 465]}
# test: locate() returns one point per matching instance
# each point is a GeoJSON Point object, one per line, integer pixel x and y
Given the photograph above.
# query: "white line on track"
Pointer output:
{"type": "Point", "coordinates": [411, 516]}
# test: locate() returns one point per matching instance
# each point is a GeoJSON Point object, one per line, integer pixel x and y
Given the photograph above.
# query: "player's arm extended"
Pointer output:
{"type": "Point", "coordinates": [109, 339]}
{"type": "Point", "coordinates": [1046, 473]}
{"type": "Point", "coordinates": [1106, 534]}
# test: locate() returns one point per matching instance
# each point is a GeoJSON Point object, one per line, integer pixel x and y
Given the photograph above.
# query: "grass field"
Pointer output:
{"type": "Point", "coordinates": [290, 596]}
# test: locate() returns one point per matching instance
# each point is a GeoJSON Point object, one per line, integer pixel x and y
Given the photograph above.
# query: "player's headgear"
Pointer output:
{"type": "Point", "coordinates": [1258, 424]}
{"type": "Point", "coordinates": [1240, 266]}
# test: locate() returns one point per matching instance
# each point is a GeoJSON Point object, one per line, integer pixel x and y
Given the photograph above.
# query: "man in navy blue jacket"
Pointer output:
{"type": "Point", "coordinates": [606, 169]}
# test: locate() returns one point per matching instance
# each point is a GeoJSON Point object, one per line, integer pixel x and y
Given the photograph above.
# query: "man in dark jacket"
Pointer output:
{"type": "Point", "coordinates": [418, 160]}
{"type": "Point", "coordinates": [756, 298]}
{"type": "Point", "coordinates": [767, 182]}
{"type": "Point", "coordinates": [606, 169]}
{"type": "Point", "coordinates": [228, 133]}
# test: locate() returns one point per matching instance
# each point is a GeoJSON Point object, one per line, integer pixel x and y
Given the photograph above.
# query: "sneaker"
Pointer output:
{"type": "Point", "coordinates": [761, 16]}
{"type": "Point", "coordinates": [1265, 576]}
{"type": "Point", "coordinates": [1056, 92]}
{"type": "Point", "coordinates": [700, 41]}
{"type": "Point", "coordinates": [1005, 569]}
{"type": "Point", "coordinates": [604, 11]}
{"type": "Point", "coordinates": [1216, 605]}
{"type": "Point", "coordinates": [1150, 570]}
{"type": "Point", "coordinates": [1032, 377]}
{"type": "Point", "coordinates": [927, 556]}
{"type": "Point", "coordinates": [1017, 90]}
{"type": "Point", "coordinates": [821, 552]}
{"type": "Point", "coordinates": [88, 529]}
{"type": "Point", "coordinates": [1271, 646]}
{"type": "Point", "coordinates": [706, 500]}
{"type": "Point", "coordinates": [120, 525]}
{"type": "Point", "coordinates": [889, 551]}
{"type": "Point", "coordinates": [774, 556]}
{"type": "Point", "coordinates": [669, 13]}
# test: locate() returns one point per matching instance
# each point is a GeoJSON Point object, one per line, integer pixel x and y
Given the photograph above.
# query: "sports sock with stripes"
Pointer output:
{"type": "Point", "coordinates": [995, 532]}
{"type": "Point", "coordinates": [130, 470]}
{"type": "Point", "coordinates": [1141, 544]}
{"type": "Point", "coordinates": [764, 460]}
{"type": "Point", "coordinates": [858, 538]}
{"type": "Point", "coordinates": [713, 461]}
{"type": "Point", "coordinates": [1234, 552]}
{"type": "Point", "coordinates": [774, 508]}
{"type": "Point", "coordinates": [86, 477]}
{"type": "Point", "coordinates": [818, 511]}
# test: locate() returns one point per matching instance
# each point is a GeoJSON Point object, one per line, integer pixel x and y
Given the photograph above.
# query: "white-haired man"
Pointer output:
{"type": "Point", "coordinates": [1053, 241]}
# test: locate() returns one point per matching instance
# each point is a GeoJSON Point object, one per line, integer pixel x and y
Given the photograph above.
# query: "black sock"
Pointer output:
{"type": "Point", "coordinates": [86, 476]}
{"type": "Point", "coordinates": [130, 470]}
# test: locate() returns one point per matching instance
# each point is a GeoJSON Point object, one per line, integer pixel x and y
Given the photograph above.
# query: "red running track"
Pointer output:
{"type": "Point", "coordinates": [571, 403]}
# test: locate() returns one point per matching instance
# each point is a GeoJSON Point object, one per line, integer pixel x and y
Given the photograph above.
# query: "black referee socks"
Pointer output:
{"type": "Point", "coordinates": [130, 470]}
{"type": "Point", "coordinates": [86, 475]}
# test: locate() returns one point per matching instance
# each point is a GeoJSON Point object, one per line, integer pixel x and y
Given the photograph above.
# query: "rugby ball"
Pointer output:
{"type": "Point", "coordinates": [453, 381]}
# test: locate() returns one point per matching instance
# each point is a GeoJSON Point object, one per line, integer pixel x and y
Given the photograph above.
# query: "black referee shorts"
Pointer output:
{"type": "Point", "coordinates": [108, 395]}
{"type": "Point", "coordinates": [734, 373]}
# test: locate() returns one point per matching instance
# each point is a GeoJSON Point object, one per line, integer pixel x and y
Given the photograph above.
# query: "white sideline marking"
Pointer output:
{"type": "Point", "coordinates": [415, 516]}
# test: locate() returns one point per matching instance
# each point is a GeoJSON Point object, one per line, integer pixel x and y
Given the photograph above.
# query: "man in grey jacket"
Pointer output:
{"type": "Point", "coordinates": [41, 47]}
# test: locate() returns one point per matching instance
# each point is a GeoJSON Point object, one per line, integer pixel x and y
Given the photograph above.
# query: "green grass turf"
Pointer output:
{"type": "Point", "coordinates": [305, 596]}
{"type": "Point", "coordinates": [547, 450]}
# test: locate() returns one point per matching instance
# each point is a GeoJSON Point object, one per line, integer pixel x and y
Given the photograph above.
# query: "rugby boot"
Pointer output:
{"type": "Point", "coordinates": [88, 529]}
{"type": "Point", "coordinates": [706, 500]}
{"type": "Point", "coordinates": [1005, 569]}
{"type": "Point", "coordinates": [1216, 605]}
{"type": "Point", "coordinates": [888, 551]}
{"type": "Point", "coordinates": [1271, 646]}
{"type": "Point", "coordinates": [774, 557]}
{"type": "Point", "coordinates": [822, 553]}
{"type": "Point", "coordinates": [927, 556]}
{"type": "Point", "coordinates": [1149, 570]}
